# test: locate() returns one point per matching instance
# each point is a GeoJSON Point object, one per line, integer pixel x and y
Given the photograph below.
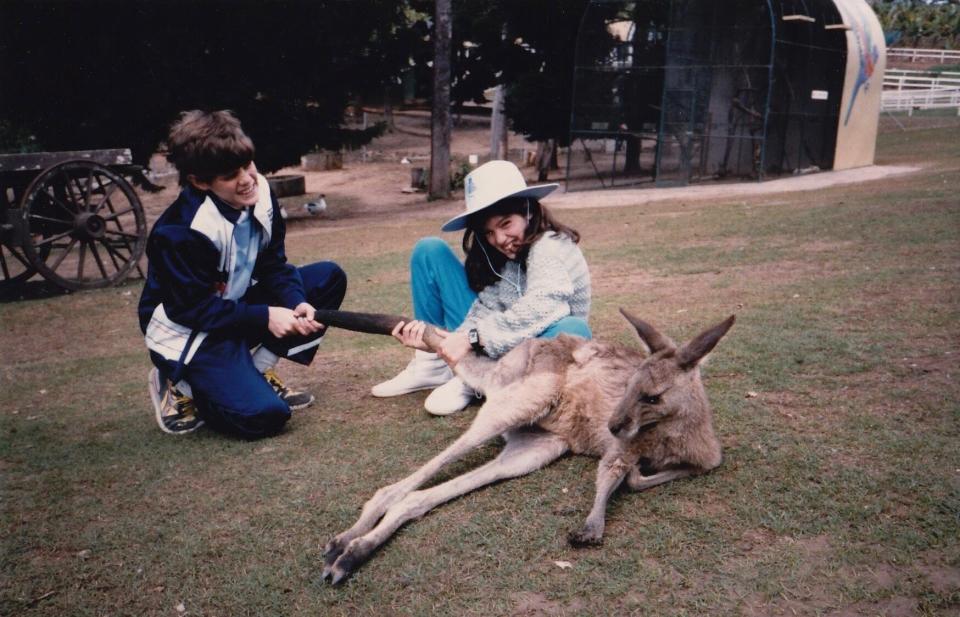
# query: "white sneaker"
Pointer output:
{"type": "Point", "coordinates": [449, 398]}
{"type": "Point", "coordinates": [425, 371]}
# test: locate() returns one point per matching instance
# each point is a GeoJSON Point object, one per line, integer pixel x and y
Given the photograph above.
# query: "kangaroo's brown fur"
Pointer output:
{"type": "Point", "coordinates": [646, 416]}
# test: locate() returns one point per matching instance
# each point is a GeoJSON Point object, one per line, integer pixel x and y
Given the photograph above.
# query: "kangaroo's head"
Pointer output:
{"type": "Point", "coordinates": [667, 383]}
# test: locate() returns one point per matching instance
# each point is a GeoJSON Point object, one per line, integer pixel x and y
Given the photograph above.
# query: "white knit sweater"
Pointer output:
{"type": "Point", "coordinates": [522, 304]}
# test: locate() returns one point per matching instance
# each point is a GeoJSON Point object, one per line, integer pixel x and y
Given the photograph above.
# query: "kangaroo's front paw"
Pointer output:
{"type": "Point", "coordinates": [585, 537]}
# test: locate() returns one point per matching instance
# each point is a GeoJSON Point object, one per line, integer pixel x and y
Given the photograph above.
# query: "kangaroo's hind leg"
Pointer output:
{"type": "Point", "coordinates": [526, 451]}
{"type": "Point", "coordinates": [514, 405]}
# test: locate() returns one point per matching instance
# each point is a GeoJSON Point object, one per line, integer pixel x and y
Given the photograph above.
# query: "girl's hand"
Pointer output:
{"type": "Point", "coordinates": [454, 348]}
{"type": "Point", "coordinates": [411, 334]}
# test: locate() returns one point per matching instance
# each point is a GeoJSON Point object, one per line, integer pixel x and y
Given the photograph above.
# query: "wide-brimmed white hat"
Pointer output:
{"type": "Point", "coordinates": [488, 184]}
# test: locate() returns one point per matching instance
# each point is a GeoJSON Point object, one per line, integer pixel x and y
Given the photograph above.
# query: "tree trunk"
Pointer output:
{"type": "Point", "coordinates": [498, 126]}
{"type": "Point", "coordinates": [440, 127]}
{"type": "Point", "coordinates": [388, 108]}
{"type": "Point", "coordinates": [543, 159]}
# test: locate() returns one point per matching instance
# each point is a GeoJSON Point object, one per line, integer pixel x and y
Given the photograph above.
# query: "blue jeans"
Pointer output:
{"type": "Point", "coordinates": [442, 296]}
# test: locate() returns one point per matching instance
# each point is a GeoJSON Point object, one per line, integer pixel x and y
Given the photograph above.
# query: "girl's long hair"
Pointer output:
{"type": "Point", "coordinates": [483, 261]}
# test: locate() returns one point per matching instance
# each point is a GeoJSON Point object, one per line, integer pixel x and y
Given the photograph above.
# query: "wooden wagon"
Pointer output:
{"type": "Point", "coordinates": [71, 217]}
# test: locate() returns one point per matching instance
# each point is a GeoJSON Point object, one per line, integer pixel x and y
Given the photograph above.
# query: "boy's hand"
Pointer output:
{"type": "Point", "coordinates": [283, 322]}
{"type": "Point", "coordinates": [306, 311]}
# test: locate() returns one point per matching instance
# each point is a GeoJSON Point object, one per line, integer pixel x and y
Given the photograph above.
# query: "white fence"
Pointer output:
{"type": "Point", "coordinates": [906, 90]}
{"type": "Point", "coordinates": [905, 79]}
{"type": "Point", "coordinates": [909, 100]}
{"type": "Point", "coordinates": [943, 56]}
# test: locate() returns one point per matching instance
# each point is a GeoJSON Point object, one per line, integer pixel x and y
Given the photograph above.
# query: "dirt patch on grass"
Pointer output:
{"type": "Point", "coordinates": [531, 604]}
{"type": "Point", "coordinates": [375, 181]}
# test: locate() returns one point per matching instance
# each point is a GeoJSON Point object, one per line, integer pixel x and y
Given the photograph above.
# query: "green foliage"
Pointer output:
{"type": "Point", "coordinates": [17, 139]}
{"type": "Point", "coordinates": [115, 73]}
{"type": "Point", "coordinates": [540, 88]}
{"type": "Point", "coordinates": [921, 24]}
{"type": "Point", "coordinates": [459, 174]}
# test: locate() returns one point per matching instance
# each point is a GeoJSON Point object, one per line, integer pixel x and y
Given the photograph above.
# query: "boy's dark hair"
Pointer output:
{"type": "Point", "coordinates": [207, 144]}
{"type": "Point", "coordinates": [483, 260]}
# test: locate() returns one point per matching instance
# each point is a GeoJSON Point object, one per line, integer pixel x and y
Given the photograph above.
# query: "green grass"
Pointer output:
{"type": "Point", "coordinates": [835, 396]}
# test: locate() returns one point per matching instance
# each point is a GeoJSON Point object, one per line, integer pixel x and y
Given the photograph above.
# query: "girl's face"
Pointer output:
{"type": "Point", "coordinates": [506, 233]}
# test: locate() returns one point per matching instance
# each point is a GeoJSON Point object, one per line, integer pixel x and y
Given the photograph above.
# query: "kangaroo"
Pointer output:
{"type": "Point", "coordinates": [643, 413]}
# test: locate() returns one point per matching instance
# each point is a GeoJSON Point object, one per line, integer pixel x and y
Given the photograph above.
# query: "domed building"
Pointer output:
{"type": "Point", "coordinates": [677, 91]}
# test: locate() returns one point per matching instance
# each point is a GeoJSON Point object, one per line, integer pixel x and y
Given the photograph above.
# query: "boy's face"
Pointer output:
{"type": "Point", "coordinates": [237, 188]}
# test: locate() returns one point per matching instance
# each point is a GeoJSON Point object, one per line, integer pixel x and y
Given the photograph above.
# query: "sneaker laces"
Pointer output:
{"type": "Point", "coordinates": [275, 382]}
{"type": "Point", "coordinates": [183, 403]}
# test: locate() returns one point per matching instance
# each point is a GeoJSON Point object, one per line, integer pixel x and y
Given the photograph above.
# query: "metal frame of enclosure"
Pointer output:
{"type": "Point", "coordinates": [669, 92]}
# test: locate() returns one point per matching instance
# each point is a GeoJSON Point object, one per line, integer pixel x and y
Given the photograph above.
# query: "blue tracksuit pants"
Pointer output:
{"type": "Point", "coordinates": [230, 393]}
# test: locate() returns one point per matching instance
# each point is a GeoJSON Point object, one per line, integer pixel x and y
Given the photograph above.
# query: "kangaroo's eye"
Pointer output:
{"type": "Point", "coordinates": [650, 399]}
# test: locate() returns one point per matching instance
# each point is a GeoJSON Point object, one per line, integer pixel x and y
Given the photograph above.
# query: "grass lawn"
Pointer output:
{"type": "Point", "coordinates": [836, 396]}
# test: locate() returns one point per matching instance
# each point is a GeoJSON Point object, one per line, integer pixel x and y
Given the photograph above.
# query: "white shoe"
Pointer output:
{"type": "Point", "coordinates": [425, 371]}
{"type": "Point", "coordinates": [449, 398]}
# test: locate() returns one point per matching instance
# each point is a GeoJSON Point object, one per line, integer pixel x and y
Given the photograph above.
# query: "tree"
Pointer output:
{"type": "Point", "coordinates": [440, 126]}
{"type": "Point", "coordinates": [919, 23]}
{"type": "Point", "coordinates": [540, 89]}
{"type": "Point", "coordinates": [115, 73]}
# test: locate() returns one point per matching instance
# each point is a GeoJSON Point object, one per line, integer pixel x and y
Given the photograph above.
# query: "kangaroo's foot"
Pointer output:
{"type": "Point", "coordinates": [350, 558]}
{"type": "Point", "coordinates": [331, 552]}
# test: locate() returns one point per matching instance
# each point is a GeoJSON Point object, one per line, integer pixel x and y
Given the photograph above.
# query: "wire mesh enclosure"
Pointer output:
{"type": "Point", "coordinates": [675, 91]}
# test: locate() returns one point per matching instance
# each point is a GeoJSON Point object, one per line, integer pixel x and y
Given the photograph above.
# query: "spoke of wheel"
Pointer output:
{"type": "Point", "coordinates": [60, 259]}
{"type": "Point", "coordinates": [78, 197]}
{"type": "Point", "coordinates": [53, 199]}
{"type": "Point", "coordinates": [96, 257]}
{"type": "Point", "coordinates": [3, 266]}
{"type": "Point", "coordinates": [66, 185]}
{"type": "Point", "coordinates": [80, 260]}
{"type": "Point", "coordinates": [115, 215]}
{"type": "Point", "coordinates": [40, 217]}
{"type": "Point", "coordinates": [116, 245]}
{"type": "Point", "coordinates": [106, 197]}
{"type": "Point", "coordinates": [111, 254]}
{"type": "Point", "coordinates": [54, 238]}
{"type": "Point", "coordinates": [86, 194]}
{"type": "Point", "coordinates": [22, 260]}
{"type": "Point", "coordinates": [120, 233]}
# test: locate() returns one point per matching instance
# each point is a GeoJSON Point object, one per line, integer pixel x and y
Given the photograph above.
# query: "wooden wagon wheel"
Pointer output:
{"type": "Point", "coordinates": [86, 225]}
{"type": "Point", "coordinates": [14, 266]}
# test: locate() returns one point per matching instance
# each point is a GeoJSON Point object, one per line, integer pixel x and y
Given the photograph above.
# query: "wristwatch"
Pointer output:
{"type": "Point", "coordinates": [474, 337]}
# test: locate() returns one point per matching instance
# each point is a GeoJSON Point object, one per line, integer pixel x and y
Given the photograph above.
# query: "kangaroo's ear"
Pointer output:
{"type": "Point", "coordinates": [648, 334]}
{"type": "Point", "coordinates": [693, 352]}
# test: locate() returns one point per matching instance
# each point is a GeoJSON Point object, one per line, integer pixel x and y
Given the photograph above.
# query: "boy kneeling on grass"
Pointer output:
{"type": "Point", "coordinates": [221, 304]}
